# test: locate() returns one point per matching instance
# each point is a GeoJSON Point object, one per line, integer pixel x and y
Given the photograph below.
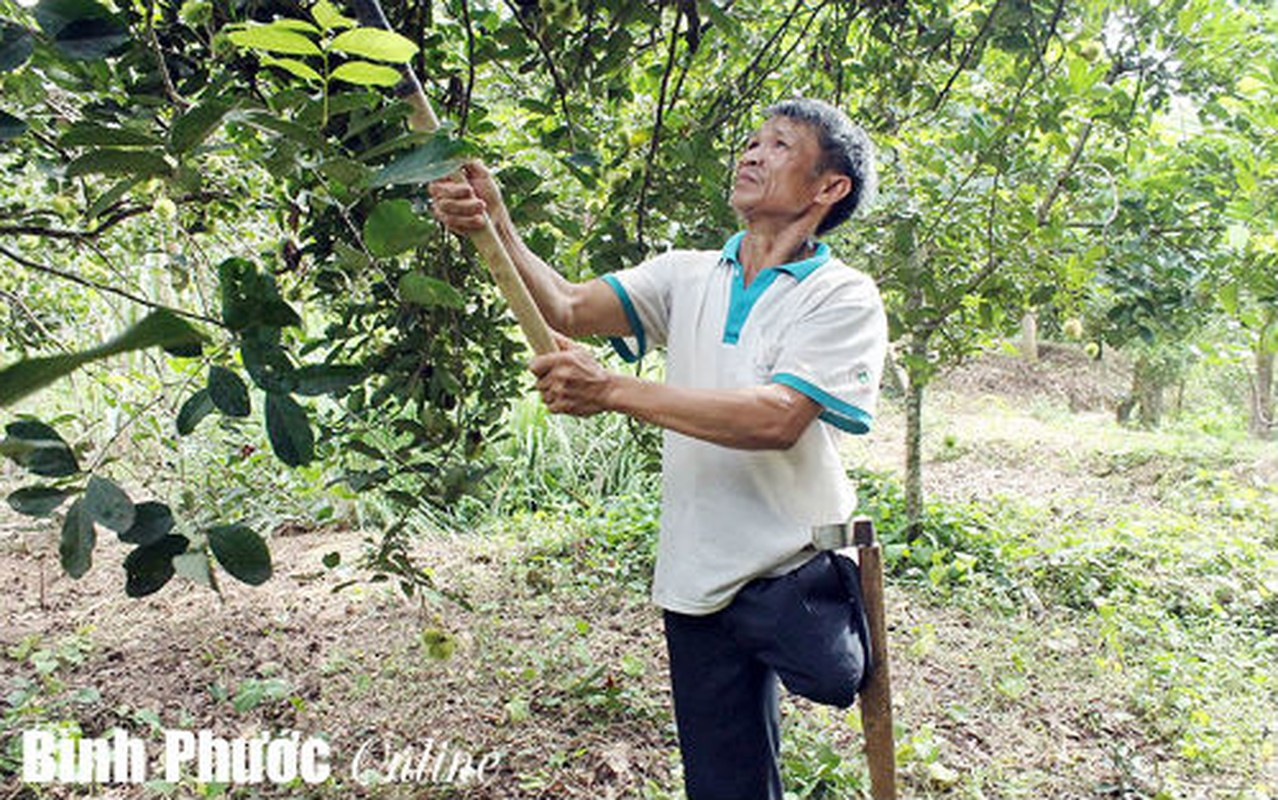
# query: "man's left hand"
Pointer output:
{"type": "Point", "coordinates": [571, 381]}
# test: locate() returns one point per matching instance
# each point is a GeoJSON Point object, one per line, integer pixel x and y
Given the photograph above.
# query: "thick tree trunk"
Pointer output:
{"type": "Point", "coordinates": [1029, 336]}
{"type": "Point", "coordinates": [1261, 424]}
{"type": "Point", "coordinates": [914, 443]}
{"type": "Point", "coordinates": [1149, 384]}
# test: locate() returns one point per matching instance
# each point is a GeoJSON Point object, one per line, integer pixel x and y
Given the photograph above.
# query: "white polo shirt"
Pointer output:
{"type": "Point", "coordinates": [816, 325]}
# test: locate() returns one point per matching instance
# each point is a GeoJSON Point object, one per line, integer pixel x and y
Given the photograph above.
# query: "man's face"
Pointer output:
{"type": "Point", "coordinates": [776, 173]}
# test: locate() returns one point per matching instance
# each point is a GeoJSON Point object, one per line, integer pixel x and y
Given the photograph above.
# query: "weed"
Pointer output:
{"type": "Point", "coordinates": [812, 766]}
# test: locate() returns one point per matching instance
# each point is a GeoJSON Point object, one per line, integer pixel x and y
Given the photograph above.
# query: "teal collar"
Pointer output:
{"type": "Point", "coordinates": [795, 269]}
{"type": "Point", "coordinates": [742, 297]}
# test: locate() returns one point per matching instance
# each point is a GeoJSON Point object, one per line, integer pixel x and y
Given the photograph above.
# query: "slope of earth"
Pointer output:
{"type": "Point", "coordinates": [554, 677]}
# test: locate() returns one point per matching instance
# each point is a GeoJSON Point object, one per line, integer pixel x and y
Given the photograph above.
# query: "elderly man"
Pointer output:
{"type": "Point", "coordinates": [773, 346]}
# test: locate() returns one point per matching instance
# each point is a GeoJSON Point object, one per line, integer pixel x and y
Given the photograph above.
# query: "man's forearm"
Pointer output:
{"type": "Point", "coordinates": [756, 418]}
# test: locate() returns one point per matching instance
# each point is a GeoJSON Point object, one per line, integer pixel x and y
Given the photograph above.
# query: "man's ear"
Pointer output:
{"type": "Point", "coordinates": [834, 187]}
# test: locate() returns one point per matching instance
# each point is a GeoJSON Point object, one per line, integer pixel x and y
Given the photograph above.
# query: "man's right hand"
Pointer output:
{"type": "Point", "coordinates": [460, 205]}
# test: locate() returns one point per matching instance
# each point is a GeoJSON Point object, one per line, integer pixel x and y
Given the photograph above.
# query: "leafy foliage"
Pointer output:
{"type": "Point", "coordinates": [1025, 151]}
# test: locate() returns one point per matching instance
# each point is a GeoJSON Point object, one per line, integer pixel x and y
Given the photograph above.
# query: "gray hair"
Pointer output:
{"type": "Point", "coordinates": [845, 149]}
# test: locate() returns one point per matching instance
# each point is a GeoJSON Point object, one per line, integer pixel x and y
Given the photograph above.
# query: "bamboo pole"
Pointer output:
{"type": "Point", "coordinates": [486, 241]}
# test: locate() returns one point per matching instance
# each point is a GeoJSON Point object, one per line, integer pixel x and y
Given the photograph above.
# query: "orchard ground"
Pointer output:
{"type": "Point", "coordinates": [1056, 647]}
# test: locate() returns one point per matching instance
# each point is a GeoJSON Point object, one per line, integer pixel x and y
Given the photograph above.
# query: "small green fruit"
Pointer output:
{"type": "Point", "coordinates": [195, 13]}
{"type": "Point", "coordinates": [437, 644]}
{"type": "Point", "coordinates": [562, 14]}
{"type": "Point", "coordinates": [65, 205]}
{"type": "Point", "coordinates": [165, 208]}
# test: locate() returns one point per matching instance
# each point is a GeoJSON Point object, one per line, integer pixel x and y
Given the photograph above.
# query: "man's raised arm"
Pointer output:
{"type": "Point", "coordinates": [576, 309]}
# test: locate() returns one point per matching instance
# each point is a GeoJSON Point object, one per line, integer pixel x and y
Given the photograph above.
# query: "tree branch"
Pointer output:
{"type": "Point", "coordinates": [1045, 207]}
{"type": "Point", "coordinates": [736, 87]}
{"type": "Point", "coordinates": [561, 89]}
{"type": "Point", "coordinates": [1154, 230]}
{"type": "Point", "coordinates": [17, 303]}
{"type": "Point", "coordinates": [54, 271]}
{"type": "Point", "coordinates": [967, 55]}
{"type": "Point", "coordinates": [470, 68]}
{"type": "Point", "coordinates": [154, 43]}
{"type": "Point", "coordinates": [118, 213]}
{"type": "Point", "coordinates": [1008, 118]}
{"type": "Point", "coordinates": [116, 218]}
{"type": "Point", "coordinates": [650, 162]}
{"type": "Point", "coordinates": [992, 263]}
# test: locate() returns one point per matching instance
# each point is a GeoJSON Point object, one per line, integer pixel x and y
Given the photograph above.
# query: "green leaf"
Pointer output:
{"type": "Point", "coordinates": [192, 128]}
{"type": "Point", "coordinates": [149, 567]}
{"type": "Point", "coordinates": [289, 430]}
{"type": "Point", "coordinates": [265, 361]}
{"type": "Point", "coordinates": [82, 30]}
{"type": "Point", "coordinates": [288, 128]}
{"type": "Point", "coordinates": [108, 505]}
{"type": "Point", "coordinates": [242, 553]}
{"type": "Point", "coordinates": [1228, 295]}
{"type": "Point", "coordinates": [111, 161]}
{"type": "Point", "coordinates": [11, 127]}
{"type": "Point", "coordinates": [228, 392]}
{"type": "Point", "coordinates": [110, 196]}
{"type": "Point", "coordinates": [329, 18]}
{"type": "Point", "coordinates": [294, 24]}
{"type": "Point", "coordinates": [317, 379]}
{"type": "Point", "coordinates": [346, 171]}
{"type": "Point", "coordinates": [152, 521]}
{"type": "Point", "coordinates": [194, 566]}
{"type": "Point", "coordinates": [332, 560]}
{"type": "Point", "coordinates": [723, 21]}
{"type": "Point", "coordinates": [37, 501]}
{"type": "Point", "coordinates": [185, 349]}
{"type": "Point", "coordinates": [75, 550]}
{"type": "Point", "coordinates": [376, 44]}
{"type": "Point", "coordinates": [274, 39]}
{"type": "Point", "coordinates": [424, 290]}
{"type": "Point", "coordinates": [39, 449]}
{"type": "Point", "coordinates": [198, 406]}
{"type": "Point", "coordinates": [93, 134]}
{"type": "Point", "coordinates": [362, 73]}
{"type": "Point", "coordinates": [292, 65]}
{"type": "Point", "coordinates": [16, 46]}
{"type": "Point", "coordinates": [393, 228]}
{"type": "Point", "coordinates": [1269, 339]}
{"type": "Point", "coordinates": [431, 161]}
{"type": "Point", "coordinates": [157, 329]}
{"type": "Point", "coordinates": [250, 297]}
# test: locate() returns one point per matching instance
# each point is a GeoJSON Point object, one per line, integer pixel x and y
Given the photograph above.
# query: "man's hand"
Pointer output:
{"type": "Point", "coordinates": [460, 205]}
{"type": "Point", "coordinates": [571, 381]}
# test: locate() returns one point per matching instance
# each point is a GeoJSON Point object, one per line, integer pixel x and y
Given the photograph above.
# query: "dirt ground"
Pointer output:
{"type": "Point", "coordinates": [566, 689]}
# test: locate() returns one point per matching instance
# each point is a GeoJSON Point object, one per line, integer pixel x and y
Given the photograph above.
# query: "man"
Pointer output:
{"type": "Point", "coordinates": [772, 346]}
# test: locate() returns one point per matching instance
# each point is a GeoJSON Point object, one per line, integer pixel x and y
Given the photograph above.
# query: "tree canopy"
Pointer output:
{"type": "Point", "coordinates": [235, 182]}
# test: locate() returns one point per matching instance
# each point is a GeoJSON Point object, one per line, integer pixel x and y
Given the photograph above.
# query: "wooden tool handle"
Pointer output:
{"type": "Point", "coordinates": [490, 247]}
{"type": "Point", "coordinates": [876, 695]}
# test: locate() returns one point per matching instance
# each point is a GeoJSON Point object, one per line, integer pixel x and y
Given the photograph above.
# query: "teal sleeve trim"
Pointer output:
{"type": "Point", "coordinates": [619, 344]}
{"type": "Point", "coordinates": [841, 415]}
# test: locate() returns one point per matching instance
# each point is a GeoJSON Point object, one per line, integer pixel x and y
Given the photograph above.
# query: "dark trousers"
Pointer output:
{"type": "Point", "coordinates": [806, 628]}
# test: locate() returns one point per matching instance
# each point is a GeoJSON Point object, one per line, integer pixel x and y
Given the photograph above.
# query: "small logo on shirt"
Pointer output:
{"type": "Point", "coordinates": [863, 376]}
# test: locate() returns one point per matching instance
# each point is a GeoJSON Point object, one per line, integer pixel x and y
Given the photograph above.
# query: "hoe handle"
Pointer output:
{"type": "Point", "coordinates": [876, 695]}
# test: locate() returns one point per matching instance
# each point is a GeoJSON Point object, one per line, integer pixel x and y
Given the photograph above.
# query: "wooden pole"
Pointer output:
{"type": "Point", "coordinates": [876, 696]}
{"type": "Point", "coordinates": [490, 247]}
